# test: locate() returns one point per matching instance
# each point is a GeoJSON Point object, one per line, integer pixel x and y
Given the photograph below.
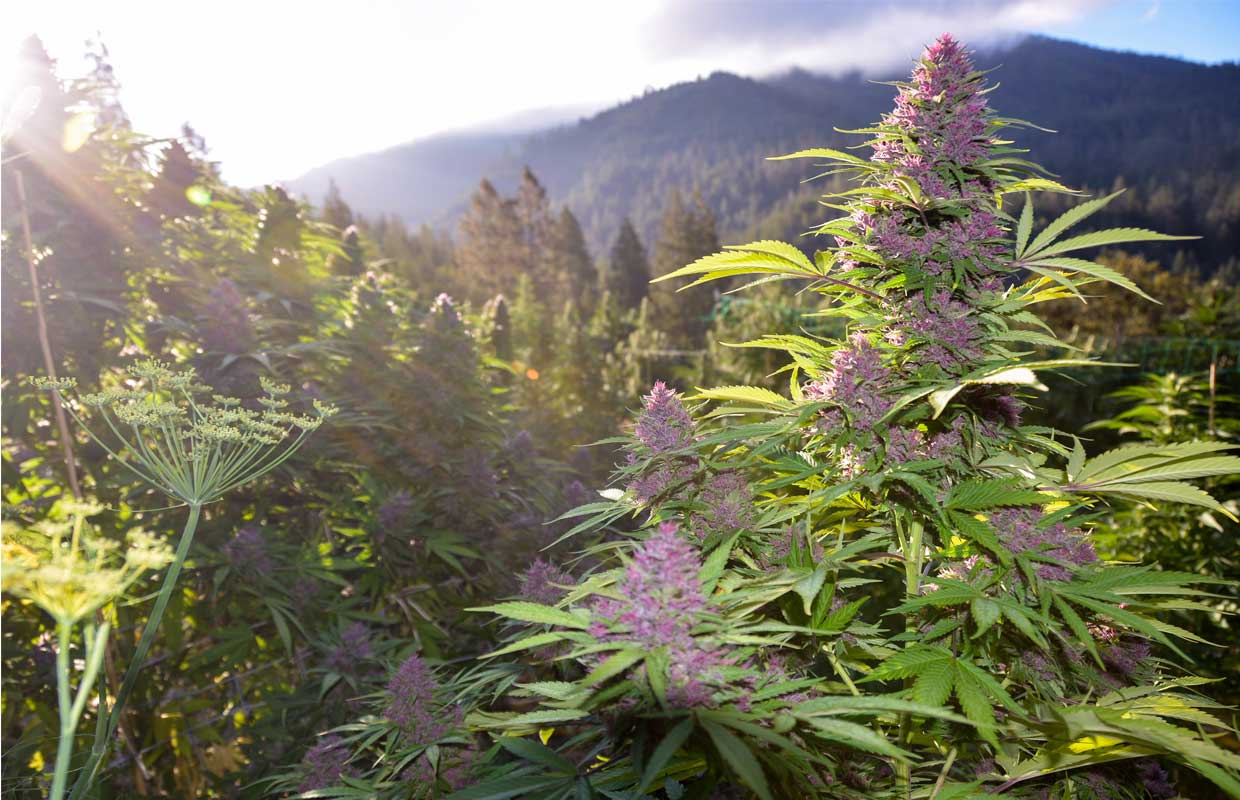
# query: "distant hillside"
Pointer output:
{"type": "Point", "coordinates": [1168, 128]}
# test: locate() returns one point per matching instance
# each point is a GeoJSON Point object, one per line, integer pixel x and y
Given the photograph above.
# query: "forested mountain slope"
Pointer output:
{"type": "Point", "coordinates": [1169, 128]}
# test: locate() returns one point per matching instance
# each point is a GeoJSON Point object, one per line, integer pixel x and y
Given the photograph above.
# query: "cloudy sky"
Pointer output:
{"type": "Point", "coordinates": [277, 87]}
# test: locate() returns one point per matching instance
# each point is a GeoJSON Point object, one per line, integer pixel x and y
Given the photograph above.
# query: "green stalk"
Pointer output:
{"type": "Point", "coordinates": [913, 554]}
{"type": "Point", "coordinates": [64, 751]}
{"type": "Point", "coordinates": [100, 746]}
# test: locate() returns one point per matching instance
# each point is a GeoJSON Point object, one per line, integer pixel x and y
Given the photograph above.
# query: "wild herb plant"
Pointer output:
{"type": "Point", "coordinates": [70, 571]}
{"type": "Point", "coordinates": [881, 584]}
{"type": "Point", "coordinates": [193, 446]}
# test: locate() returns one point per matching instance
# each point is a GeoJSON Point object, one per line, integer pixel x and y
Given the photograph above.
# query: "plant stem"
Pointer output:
{"type": "Point", "coordinates": [100, 746]}
{"type": "Point", "coordinates": [947, 767]}
{"type": "Point", "coordinates": [49, 364]}
{"type": "Point", "coordinates": [913, 554]}
{"type": "Point", "coordinates": [64, 750]}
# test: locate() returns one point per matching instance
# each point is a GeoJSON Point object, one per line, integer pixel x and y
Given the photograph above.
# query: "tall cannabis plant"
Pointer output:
{"type": "Point", "coordinates": [881, 584]}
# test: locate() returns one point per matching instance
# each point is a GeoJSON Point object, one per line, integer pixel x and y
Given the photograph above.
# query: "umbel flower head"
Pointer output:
{"type": "Point", "coordinates": [67, 569]}
{"type": "Point", "coordinates": [193, 445]}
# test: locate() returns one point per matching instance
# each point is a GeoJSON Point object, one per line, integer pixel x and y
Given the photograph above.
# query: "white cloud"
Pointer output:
{"type": "Point", "coordinates": [868, 35]}
{"type": "Point", "coordinates": [279, 87]}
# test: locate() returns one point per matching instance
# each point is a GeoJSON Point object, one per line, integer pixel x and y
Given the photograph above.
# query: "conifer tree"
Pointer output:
{"type": "Point", "coordinates": [336, 211]}
{"type": "Point", "coordinates": [492, 252]}
{"type": "Point", "coordinates": [627, 273]}
{"type": "Point", "coordinates": [537, 233]}
{"type": "Point", "coordinates": [177, 173]}
{"type": "Point", "coordinates": [687, 233]}
{"type": "Point", "coordinates": [571, 264]}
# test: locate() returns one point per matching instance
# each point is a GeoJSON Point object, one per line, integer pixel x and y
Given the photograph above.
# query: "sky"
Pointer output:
{"type": "Point", "coordinates": [279, 87]}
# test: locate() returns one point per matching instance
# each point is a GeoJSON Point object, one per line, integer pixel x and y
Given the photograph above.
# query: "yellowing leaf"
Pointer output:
{"type": "Point", "coordinates": [1087, 743]}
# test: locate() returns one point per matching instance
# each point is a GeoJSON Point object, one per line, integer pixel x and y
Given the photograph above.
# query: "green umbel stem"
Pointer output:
{"type": "Point", "coordinates": [100, 747]}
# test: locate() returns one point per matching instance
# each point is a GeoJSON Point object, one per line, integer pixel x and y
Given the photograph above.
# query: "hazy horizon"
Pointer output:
{"type": "Point", "coordinates": [541, 62]}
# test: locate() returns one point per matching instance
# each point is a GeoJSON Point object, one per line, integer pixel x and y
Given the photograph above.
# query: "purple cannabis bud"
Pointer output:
{"type": "Point", "coordinates": [1155, 780]}
{"type": "Point", "coordinates": [354, 648]}
{"type": "Point", "coordinates": [543, 581]}
{"type": "Point", "coordinates": [1021, 531]}
{"type": "Point", "coordinates": [661, 602]}
{"type": "Point", "coordinates": [941, 111]}
{"type": "Point", "coordinates": [777, 550]}
{"type": "Point", "coordinates": [950, 337]}
{"type": "Point", "coordinates": [443, 310]}
{"type": "Point", "coordinates": [394, 512]}
{"type": "Point", "coordinates": [247, 552]}
{"type": "Point", "coordinates": [664, 424]}
{"type": "Point", "coordinates": [657, 480]}
{"type": "Point", "coordinates": [1126, 656]}
{"type": "Point", "coordinates": [857, 382]}
{"type": "Point", "coordinates": [662, 587]}
{"type": "Point", "coordinates": [576, 494]}
{"type": "Point", "coordinates": [1038, 664]}
{"type": "Point", "coordinates": [729, 505]}
{"type": "Point", "coordinates": [412, 704]}
{"type": "Point", "coordinates": [227, 327]}
{"type": "Point", "coordinates": [324, 764]}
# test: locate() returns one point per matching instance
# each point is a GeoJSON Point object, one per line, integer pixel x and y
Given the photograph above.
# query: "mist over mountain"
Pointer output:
{"type": "Point", "coordinates": [1170, 129]}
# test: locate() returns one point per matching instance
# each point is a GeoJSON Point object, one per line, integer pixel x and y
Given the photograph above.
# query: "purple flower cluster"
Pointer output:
{"type": "Point", "coordinates": [910, 444]}
{"type": "Point", "coordinates": [247, 552]}
{"type": "Point", "coordinates": [1039, 665]}
{"type": "Point", "coordinates": [729, 505]}
{"type": "Point", "coordinates": [1156, 781]}
{"type": "Point", "coordinates": [659, 478]}
{"type": "Point", "coordinates": [661, 603]}
{"type": "Point", "coordinates": [353, 649]}
{"type": "Point", "coordinates": [995, 409]}
{"type": "Point", "coordinates": [412, 704]}
{"type": "Point", "coordinates": [324, 764]}
{"type": "Point", "coordinates": [539, 582]}
{"type": "Point", "coordinates": [941, 110]}
{"type": "Point", "coordinates": [776, 552]}
{"type": "Point", "coordinates": [857, 383]}
{"type": "Point", "coordinates": [444, 312]}
{"type": "Point", "coordinates": [1126, 656]}
{"type": "Point", "coordinates": [394, 512]}
{"type": "Point", "coordinates": [1021, 531]}
{"type": "Point", "coordinates": [950, 335]}
{"type": "Point", "coordinates": [664, 424]}
{"type": "Point", "coordinates": [227, 327]}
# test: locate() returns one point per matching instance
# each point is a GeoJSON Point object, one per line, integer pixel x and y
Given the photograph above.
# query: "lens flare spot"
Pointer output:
{"type": "Point", "coordinates": [77, 131]}
{"type": "Point", "coordinates": [198, 195]}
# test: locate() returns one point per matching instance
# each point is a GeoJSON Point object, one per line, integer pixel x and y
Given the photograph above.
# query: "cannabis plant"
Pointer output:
{"type": "Point", "coordinates": [194, 446]}
{"type": "Point", "coordinates": [880, 583]}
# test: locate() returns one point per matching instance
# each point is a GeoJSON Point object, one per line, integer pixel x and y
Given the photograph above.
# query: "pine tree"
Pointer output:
{"type": "Point", "coordinates": [177, 173]}
{"type": "Point", "coordinates": [687, 234]}
{"type": "Point", "coordinates": [571, 264]}
{"type": "Point", "coordinates": [493, 253]}
{"type": "Point", "coordinates": [627, 273]}
{"type": "Point", "coordinates": [336, 211]}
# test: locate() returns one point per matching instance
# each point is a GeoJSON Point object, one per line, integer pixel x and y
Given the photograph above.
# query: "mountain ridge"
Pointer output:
{"type": "Point", "coordinates": [1116, 112]}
